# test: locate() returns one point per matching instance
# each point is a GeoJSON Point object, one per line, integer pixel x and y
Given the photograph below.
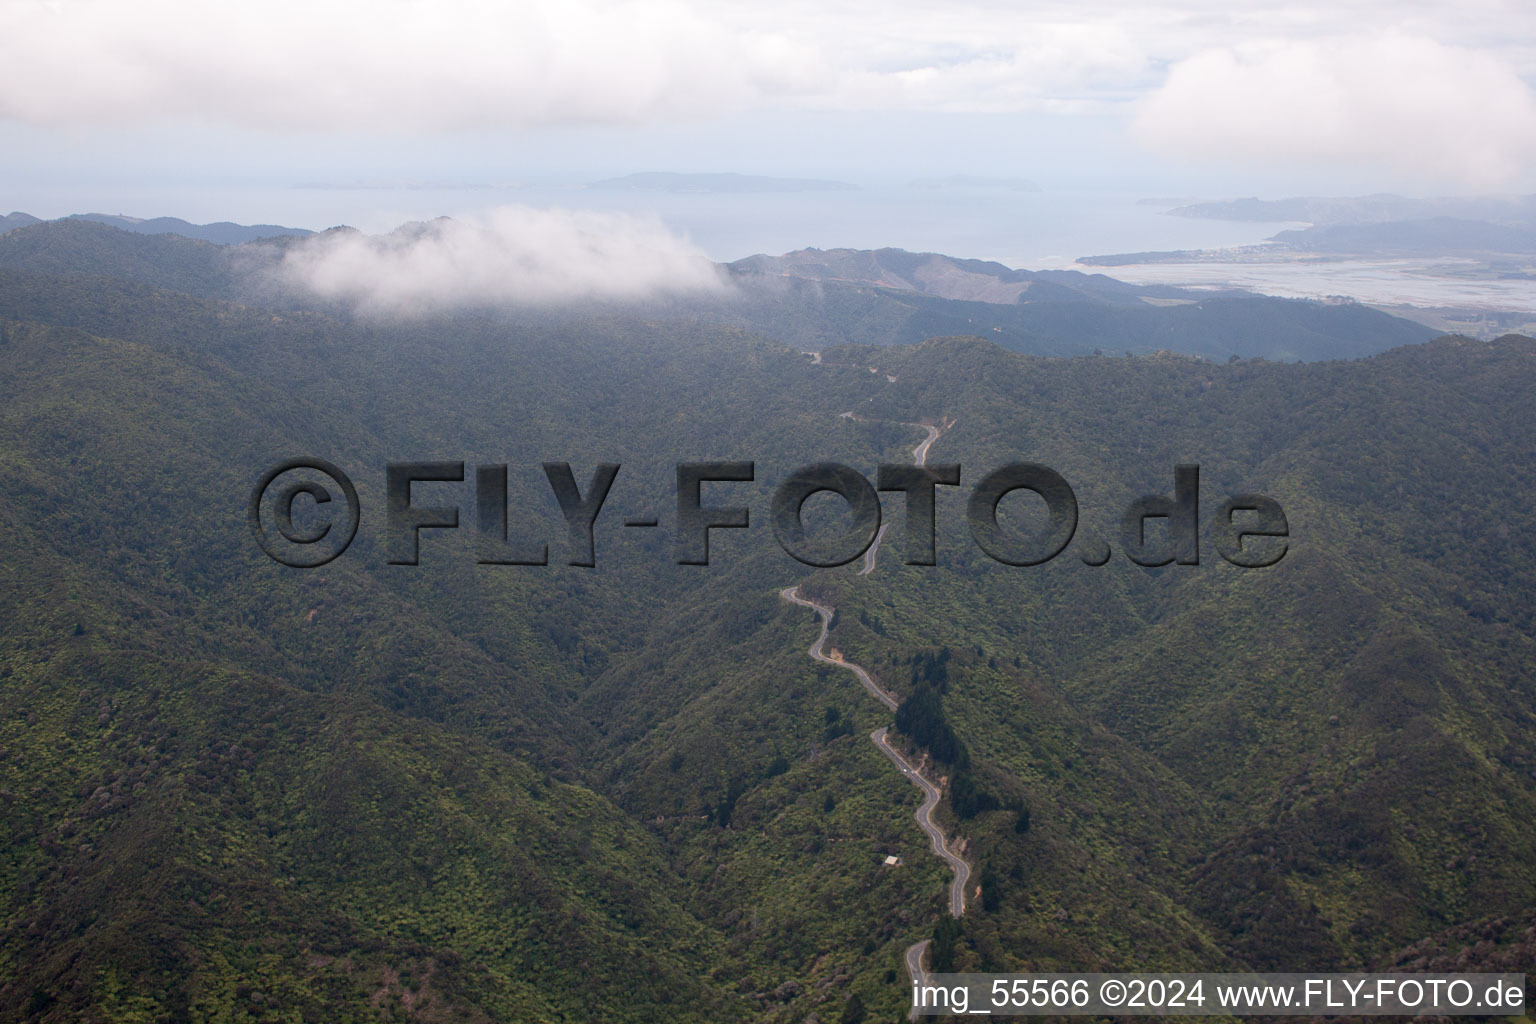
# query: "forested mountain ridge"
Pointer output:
{"type": "Point", "coordinates": [221, 233]}
{"type": "Point", "coordinates": [814, 300]}
{"type": "Point", "coordinates": [490, 792]}
{"type": "Point", "coordinates": [1316, 713]}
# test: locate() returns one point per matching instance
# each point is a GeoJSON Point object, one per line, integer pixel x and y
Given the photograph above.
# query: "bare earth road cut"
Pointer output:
{"type": "Point", "coordinates": [932, 794]}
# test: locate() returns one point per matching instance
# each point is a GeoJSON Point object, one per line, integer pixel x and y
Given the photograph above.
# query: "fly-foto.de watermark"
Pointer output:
{"type": "Point", "coordinates": [305, 512]}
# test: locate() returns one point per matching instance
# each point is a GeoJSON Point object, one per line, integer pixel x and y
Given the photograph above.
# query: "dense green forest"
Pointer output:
{"type": "Point", "coordinates": [234, 791]}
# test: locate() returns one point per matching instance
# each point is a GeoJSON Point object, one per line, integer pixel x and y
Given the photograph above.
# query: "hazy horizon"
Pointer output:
{"type": "Point", "coordinates": [1182, 97]}
{"type": "Point", "coordinates": [315, 115]}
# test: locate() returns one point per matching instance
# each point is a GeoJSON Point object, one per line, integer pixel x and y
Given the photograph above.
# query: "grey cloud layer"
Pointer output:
{"type": "Point", "coordinates": [1350, 80]}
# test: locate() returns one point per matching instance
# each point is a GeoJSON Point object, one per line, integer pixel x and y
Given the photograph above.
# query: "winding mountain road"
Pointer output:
{"type": "Point", "coordinates": [919, 456]}
{"type": "Point", "coordinates": [880, 693]}
{"type": "Point", "coordinates": [915, 954]}
{"type": "Point", "coordinates": [931, 797]}
{"type": "Point", "coordinates": [915, 969]}
{"type": "Point", "coordinates": [932, 794]}
{"type": "Point", "coordinates": [920, 453]}
{"type": "Point", "coordinates": [874, 549]}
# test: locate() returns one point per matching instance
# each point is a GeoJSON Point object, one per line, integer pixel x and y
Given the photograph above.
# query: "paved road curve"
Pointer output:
{"type": "Point", "coordinates": [874, 549]}
{"type": "Point", "coordinates": [920, 453]}
{"type": "Point", "coordinates": [916, 953]}
{"type": "Point", "coordinates": [931, 796]}
{"type": "Point", "coordinates": [919, 456]}
{"type": "Point", "coordinates": [879, 692]}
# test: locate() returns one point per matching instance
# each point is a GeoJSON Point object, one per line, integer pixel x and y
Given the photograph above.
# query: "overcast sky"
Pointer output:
{"type": "Point", "coordinates": [1206, 97]}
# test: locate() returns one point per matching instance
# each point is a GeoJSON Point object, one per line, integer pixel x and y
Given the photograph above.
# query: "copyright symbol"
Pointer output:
{"type": "Point", "coordinates": [309, 533]}
{"type": "Point", "coordinates": [1112, 992]}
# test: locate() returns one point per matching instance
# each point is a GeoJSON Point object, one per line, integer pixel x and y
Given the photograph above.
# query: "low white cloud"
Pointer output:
{"type": "Point", "coordinates": [1408, 104]}
{"type": "Point", "coordinates": [514, 255]}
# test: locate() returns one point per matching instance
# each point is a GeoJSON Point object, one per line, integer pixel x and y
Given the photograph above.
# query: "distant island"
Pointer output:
{"type": "Point", "coordinates": [1371, 209]}
{"type": "Point", "coordinates": [1434, 238]}
{"type": "Point", "coordinates": [664, 181]}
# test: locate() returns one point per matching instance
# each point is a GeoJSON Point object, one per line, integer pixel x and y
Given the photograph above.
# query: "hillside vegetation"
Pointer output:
{"type": "Point", "coordinates": [237, 791]}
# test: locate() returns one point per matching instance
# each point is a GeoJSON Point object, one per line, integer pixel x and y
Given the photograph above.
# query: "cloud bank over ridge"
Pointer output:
{"type": "Point", "coordinates": [514, 255]}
